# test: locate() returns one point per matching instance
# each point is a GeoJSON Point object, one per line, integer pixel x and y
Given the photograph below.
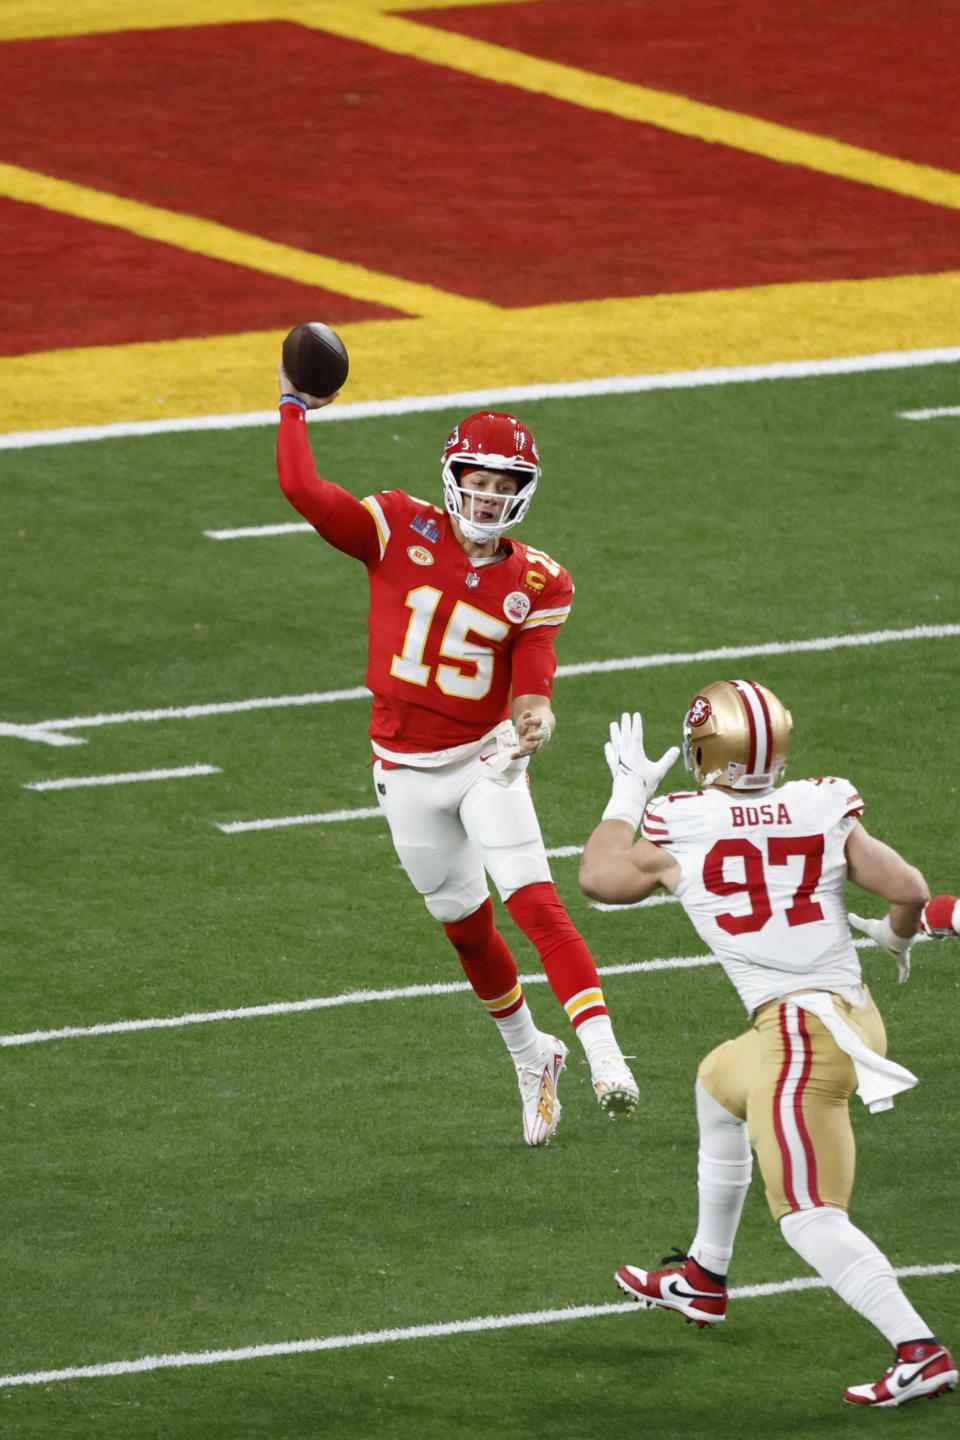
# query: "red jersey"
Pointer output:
{"type": "Point", "coordinates": [450, 640]}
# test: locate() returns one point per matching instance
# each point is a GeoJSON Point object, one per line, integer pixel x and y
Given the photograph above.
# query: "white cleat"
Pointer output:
{"type": "Point", "coordinates": [615, 1087]}
{"type": "Point", "coordinates": [538, 1090]}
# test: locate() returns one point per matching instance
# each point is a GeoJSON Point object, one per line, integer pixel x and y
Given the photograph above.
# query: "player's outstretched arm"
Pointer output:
{"type": "Point", "coordinates": [877, 867]}
{"type": "Point", "coordinates": [338, 516]}
{"type": "Point", "coordinates": [882, 871]}
{"type": "Point", "coordinates": [619, 871]}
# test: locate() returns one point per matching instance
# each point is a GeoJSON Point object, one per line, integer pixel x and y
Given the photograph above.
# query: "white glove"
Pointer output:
{"type": "Point", "coordinates": [882, 933]}
{"type": "Point", "coordinates": [500, 765]}
{"type": "Point", "coordinates": [635, 778]}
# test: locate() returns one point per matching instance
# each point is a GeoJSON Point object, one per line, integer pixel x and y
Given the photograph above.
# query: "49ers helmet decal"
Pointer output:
{"type": "Point", "coordinates": [490, 440]}
{"type": "Point", "coordinates": [736, 733]}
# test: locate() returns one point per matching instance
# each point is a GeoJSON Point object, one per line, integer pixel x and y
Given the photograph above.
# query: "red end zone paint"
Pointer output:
{"type": "Point", "coordinates": [882, 75]}
{"type": "Point", "coordinates": [95, 285]}
{"type": "Point", "coordinates": [419, 171]}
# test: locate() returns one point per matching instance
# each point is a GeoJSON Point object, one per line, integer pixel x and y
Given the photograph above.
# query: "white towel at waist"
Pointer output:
{"type": "Point", "coordinates": [878, 1079]}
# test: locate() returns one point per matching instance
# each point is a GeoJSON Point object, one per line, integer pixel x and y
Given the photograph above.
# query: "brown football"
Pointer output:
{"type": "Point", "coordinates": [315, 358]}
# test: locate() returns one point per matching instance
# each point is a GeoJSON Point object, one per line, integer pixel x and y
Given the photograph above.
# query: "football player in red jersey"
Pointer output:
{"type": "Point", "coordinates": [760, 872]}
{"type": "Point", "coordinates": [461, 665]}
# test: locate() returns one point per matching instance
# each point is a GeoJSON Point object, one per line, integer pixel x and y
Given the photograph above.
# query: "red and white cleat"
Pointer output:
{"type": "Point", "coordinates": [918, 1370]}
{"type": "Point", "coordinates": [688, 1290]}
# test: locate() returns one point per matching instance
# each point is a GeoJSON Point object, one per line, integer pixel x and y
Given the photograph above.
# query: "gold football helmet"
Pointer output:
{"type": "Point", "coordinates": [736, 733]}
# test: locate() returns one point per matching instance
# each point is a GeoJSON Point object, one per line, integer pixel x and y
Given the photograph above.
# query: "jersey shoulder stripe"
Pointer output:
{"type": "Point", "coordinates": [372, 503]}
{"type": "Point", "coordinates": [556, 616]}
{"type": "Point", "coordinates": [661, 815]}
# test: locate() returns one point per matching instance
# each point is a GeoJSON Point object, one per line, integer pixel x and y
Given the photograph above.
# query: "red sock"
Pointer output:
{"type": "Point", "coordinates": [486, 960]}
{"type": "Point", "coordinates": [569, 966]}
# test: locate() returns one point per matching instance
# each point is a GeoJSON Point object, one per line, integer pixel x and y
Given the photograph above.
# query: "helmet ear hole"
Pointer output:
{"type": "Point", "coordinates": [699, 754]}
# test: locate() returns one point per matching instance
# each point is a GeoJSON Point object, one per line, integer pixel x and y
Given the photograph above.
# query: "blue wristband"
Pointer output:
{"type": "Point", "coordinates": [293, 400]}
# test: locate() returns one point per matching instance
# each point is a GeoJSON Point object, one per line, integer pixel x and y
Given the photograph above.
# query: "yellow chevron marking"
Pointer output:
{"type": "Point", "coordinates": [369, 23]}
{"type": "Point", "coordinates": [229, 374]}
{"type": "Point", "coordinates": [39, 19]}
{"type": "Point", "coordinates": [219, 242]}
{"type": "Point", "coordinates": [635, 102]}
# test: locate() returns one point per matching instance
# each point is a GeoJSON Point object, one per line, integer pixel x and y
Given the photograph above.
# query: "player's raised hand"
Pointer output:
{"type": "Point", "coordinates": [312, 402]}
{"type": "Point", "coordinates": [635, 777]}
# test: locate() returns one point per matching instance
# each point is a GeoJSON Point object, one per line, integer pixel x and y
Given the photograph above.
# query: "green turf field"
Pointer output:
{"type": "Point", "coordinates": [359, 1168]}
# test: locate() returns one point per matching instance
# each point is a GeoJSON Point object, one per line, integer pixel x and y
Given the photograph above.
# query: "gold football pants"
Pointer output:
{"type": "Point", "coordinates": [791, 1083]}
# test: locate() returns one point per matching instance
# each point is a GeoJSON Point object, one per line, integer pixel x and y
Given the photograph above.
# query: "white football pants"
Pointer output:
{"type": "Point", "coordinates": [452, 823]}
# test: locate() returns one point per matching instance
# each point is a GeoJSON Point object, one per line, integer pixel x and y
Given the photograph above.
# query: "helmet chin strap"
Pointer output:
{"type": "Point", "coordinates": [480, 533]}
{"type": "Point", "coordinates": [457, 500]}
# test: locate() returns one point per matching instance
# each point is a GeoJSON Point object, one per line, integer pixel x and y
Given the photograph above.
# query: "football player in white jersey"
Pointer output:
{"type": "Point", "coordinates": [760, 869]}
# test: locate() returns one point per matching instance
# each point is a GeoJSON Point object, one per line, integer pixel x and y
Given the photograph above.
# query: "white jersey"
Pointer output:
{"type": "Point", "coordinates": [762, 877]}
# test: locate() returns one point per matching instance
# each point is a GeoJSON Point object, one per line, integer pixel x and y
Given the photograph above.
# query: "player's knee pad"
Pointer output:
{"type": "Point", "coordinates": [517, 869]}
{"type": "Point", "coordinates": [723, 1076]}
{"type": "Point", "coordinates": [425, 868]}
{"type": "Point", "coordinates": [451, 902]}
{"type": "Point", "coordinates": [712, 1113]}
{"type": "Point", "coordinates": [452, 887]}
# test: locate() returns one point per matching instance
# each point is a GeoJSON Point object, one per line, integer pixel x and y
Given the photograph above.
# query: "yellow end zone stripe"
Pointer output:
{"type": "Point", "coordinates": [219, 242]}
{"type": "Point", "coordinates": [368, 22]}
{"type": "Point", "coordinates": [551, 344]}
{"type": "Point", "coordinates": [635, 102]}
{"type": "Point", "coordinates": [43, 19]}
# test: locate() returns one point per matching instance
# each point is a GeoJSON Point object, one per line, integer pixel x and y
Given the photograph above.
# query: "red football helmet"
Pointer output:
{"type": "Point", "coordinates": [490, 440]}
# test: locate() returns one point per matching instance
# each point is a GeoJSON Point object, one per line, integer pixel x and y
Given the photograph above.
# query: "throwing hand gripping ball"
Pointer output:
{"type": "Point", "coordinates": [315, 358]}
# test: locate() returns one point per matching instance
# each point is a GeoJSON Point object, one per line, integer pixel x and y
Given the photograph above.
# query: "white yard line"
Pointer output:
{"type": "Point", "coordinates": [128, 777]}
{"type": "Point", "coordinates": [775, 647]}
{"type": "Point", "coordinates": [356, 997]}
{"type": "Point", "coordinates": [589, 667]}
{"type": "Point", "coordinates": [637, 905]}
{"type": "Point", "coordinates": [254, 532]}
{"type": "Point", "coordinates": [42, 737]}
{"type": "Point", "coordinates": [195, 712]}
{"type": "Point", "coordinates": [329, 817]}
{"type": "Point", "coordinates": [324, 1002]}
{"type": "Point", "coordinates": [930, 414]}
{"type": "Point", "coordinates": [516, 394]}
{"type": "Point", "coordinates": [475, 1326]}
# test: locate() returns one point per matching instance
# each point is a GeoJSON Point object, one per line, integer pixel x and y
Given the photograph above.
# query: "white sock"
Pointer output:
{"type": "Point", "coordinates": [724, 1167]}
{"type": "Point", "coordinates": [598, 1040]}
{"type": "Point", "coordinates": [853, 1266]}
{"type": "Point", "coordinates": [520, 1035]}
